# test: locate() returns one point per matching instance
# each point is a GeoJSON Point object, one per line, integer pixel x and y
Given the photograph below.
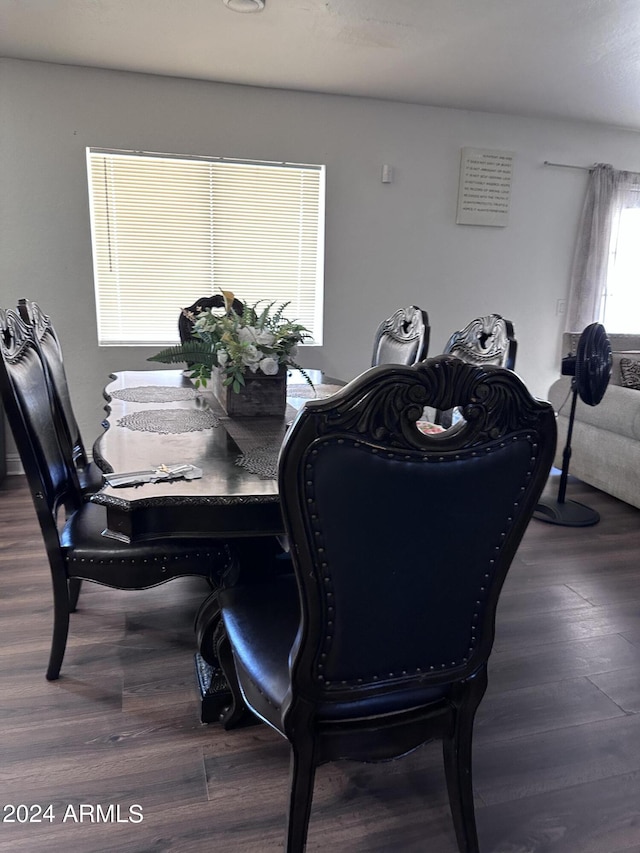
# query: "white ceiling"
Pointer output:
{"type": "Point", "coordinates": [576, 59]}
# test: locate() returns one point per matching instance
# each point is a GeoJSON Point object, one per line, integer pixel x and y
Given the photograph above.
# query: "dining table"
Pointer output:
{"type": "Point", "coordinates": [158, 421]}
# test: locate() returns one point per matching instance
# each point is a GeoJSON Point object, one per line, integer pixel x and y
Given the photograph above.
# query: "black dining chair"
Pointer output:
{"type": "Point", "coordinates": [76, 548]}
{"type": "Point", "coordinates": [402, 338]}
{"type": "Point", "coordinates": [485, 340]}
{"type": "Point", "coordinates": [46, 339]}
{"type": "Point", "coordinates": [400, 544]}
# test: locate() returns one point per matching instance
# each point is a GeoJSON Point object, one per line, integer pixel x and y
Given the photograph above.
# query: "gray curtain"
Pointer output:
{"type": "Point", "coordinates": [608, 192]}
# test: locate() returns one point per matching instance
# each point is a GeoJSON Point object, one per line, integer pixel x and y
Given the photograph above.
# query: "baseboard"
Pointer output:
{"type": "Point", "coordinates": [14, 465]}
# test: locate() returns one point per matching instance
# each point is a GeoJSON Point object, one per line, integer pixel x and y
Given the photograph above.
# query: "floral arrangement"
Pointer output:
{"type": "Point", "coordinates": [258, 340]}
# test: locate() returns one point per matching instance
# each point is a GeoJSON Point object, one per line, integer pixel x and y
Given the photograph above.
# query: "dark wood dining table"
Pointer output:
{"type": "Point", "coordinates": [158, 417]}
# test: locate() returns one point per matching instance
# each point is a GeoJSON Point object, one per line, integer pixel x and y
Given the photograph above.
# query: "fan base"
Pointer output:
{"type": "Point", "coordinates": [568, 513]}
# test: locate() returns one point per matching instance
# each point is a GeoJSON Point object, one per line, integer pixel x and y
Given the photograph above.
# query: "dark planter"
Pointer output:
{"type": "Point", "coordinates": [261, 396]}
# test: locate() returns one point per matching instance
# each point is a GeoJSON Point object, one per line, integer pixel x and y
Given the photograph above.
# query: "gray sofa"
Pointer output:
{"type": "Point", "coordinates": [605, 446]}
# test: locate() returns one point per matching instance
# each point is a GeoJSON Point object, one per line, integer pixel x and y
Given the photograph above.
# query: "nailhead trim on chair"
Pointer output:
{"type": "Point", "coordinates": [324, 565]}
{"type": "Point", "coordinates": [207, 555]}
{"type": "Point", "coordinates": [262, 693]}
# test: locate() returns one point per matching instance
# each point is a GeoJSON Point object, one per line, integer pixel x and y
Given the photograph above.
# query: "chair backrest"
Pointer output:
{"type": "Point", "coordinates": [48, 343]}
{"type": "Point", "coordinates": [401, 541]}
{"type": "Point", "coordinates": [187, 315]}
{"type": "Point", "coordinates": [403, 338]}
{"type": "Point", "coordinates": [30, 413]}
{"type": "Point", "coordinates": [485, 340]}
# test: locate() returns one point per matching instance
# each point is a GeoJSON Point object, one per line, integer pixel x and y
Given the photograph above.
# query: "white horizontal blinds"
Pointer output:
{"type": "Point", "coordinates": [167, 230]}
{"type": "Point", "coordinates": [152, 241]}
{"type": "Point", "coordinates": [265, 235]}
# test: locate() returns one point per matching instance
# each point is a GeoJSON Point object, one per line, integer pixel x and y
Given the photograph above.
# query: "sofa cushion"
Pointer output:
{"type": "Point", "coordinates": [630, 371]}
{"type": "Point", "coordinates": [618, 411]}
{"type": "Point", "coordinates": [616, 361]}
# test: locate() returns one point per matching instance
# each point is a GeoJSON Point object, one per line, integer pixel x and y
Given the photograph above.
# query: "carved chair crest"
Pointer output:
{"type": "Point", "coordinates": [16, 336]}
{"type": "Point", "coordinates": [385, 402]}
{"type": "Point", "coordinates": [407, 332]}
{"type": "Point", "coordinates": [485, 340]}
{"type": "Point", "coordinates": [33, 315]}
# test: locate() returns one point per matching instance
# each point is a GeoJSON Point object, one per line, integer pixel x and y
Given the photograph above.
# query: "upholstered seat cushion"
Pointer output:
{"type": "Point", "coordinates": [133, 566]}
{"type": "Point", "coordinates": [261, 621]}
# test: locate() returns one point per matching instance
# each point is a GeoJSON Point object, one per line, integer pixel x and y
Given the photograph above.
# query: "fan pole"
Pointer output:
{"type": "Point", "coordinates": [566, 453]}
{"type": "Point", "coordinates": [567, 513]}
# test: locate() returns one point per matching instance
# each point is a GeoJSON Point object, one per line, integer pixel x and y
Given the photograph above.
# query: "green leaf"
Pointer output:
{"type": "Point", "coordinates": [196, 352]}
{"type": "Point", "coordinates": [303, 372]}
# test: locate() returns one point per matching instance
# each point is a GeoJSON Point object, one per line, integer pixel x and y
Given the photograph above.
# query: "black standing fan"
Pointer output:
{"type": "Point", "coordinates": [591, 370]}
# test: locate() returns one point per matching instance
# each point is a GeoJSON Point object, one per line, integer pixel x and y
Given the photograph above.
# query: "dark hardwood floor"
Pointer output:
{"type": "Point", "coordinates": [557, 748]}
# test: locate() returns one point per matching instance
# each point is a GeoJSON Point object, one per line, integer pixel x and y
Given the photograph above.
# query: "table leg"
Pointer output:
{"type": "Point", "coordinates": [215, 695]}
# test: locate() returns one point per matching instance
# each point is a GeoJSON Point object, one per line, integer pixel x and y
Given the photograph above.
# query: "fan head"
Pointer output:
{"type": "Point", "coordinates": [593, 364]}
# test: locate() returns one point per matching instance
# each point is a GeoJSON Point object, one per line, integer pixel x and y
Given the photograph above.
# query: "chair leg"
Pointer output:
{"type": "Point", "coordinates": [61, 608]}
{"type": "Point", "coordinates": [457, 751]}
{"type": "Point", "coordinates": [75, 585]}
{"type": "Point", "coordinates": [302, 773]}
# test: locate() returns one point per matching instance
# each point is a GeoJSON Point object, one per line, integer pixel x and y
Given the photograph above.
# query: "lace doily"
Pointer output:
{"type": "Point", "coordinates": [262, 461]}
{"type": "Point", "coordinates": [154, 394]}
{"type": "Point", "coordinates": [306, 392]}
{"type": "Point", "coordinates": [170, 421]}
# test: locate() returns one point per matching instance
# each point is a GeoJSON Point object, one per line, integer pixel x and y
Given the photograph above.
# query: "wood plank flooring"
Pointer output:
{"type": "Point", "coordinates": [557, 748]}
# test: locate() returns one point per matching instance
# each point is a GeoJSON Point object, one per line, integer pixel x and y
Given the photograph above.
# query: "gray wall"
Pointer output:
{"type": "Point", "coordinates": [386, 245]}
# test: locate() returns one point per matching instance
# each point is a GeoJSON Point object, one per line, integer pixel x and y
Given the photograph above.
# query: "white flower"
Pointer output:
{"type": "Point", "coordinates": [250, 357]}
{"type": "Point", "coordinates": [265, 338]}
{"type": "Point", "coordinates": [259, 337]}
{"type": "Point", "coordinates": [223, 355]}
{"type": "Point", "coordinates": [269, 366]}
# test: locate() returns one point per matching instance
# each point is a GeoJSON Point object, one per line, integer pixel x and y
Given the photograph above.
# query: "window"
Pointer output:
{"type": "Point", "coordinates": [167, 230]}
{"type": "Point", "coordinates": [606, 261]}
{"type": "Point", "coordinates": [621, 300]}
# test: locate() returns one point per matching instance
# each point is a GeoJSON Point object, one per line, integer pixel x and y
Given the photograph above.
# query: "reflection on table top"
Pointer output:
{"type": "Point", "coordinates": [157, 417]}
